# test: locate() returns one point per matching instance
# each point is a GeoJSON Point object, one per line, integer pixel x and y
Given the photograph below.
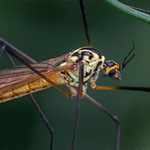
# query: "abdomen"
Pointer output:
{"type": "Point", "coordinates": [29, 88]}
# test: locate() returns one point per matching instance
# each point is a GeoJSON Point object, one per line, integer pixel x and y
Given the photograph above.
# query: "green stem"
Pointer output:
{"type": "Point", "coordinates": [130, 11]}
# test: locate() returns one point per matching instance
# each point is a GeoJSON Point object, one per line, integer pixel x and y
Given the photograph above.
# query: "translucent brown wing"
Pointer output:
{"type": "Point", "coordinates": [22, 72]}
{"type": "Point", "coordinates": [16, 77]}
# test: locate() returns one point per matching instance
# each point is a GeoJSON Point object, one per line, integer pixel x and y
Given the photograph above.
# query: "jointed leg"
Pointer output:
{"type": "Point", "coordinates": [14, 49]}
{"type": "Point", "coordinates": [48, 125]}
{"type": "Point", "coordinates": [144, 89]}
{"type": "Point", "coordinates": [15, 52]}
{"type": "Point", "coordinates": [113, 117]}
{"type": "Point", "coordinates": [83, 10]}
{"type": "Point", "coordinates": [94, 86]}
{"type": "Point", "coordinates": [79, 96]}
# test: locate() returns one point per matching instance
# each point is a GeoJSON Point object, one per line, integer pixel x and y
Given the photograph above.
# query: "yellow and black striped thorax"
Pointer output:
{"type": "Point", "coordinates": [93, 62]}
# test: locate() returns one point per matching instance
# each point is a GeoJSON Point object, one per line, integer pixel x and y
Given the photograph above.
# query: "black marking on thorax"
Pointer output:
{"type": "Point", "coordinates": [87, 74]}
{"type": "Point", "coordinates": [93, 50]}
{"type": "Point", "coordinates": [98, 64]}
{"type": "Point", "coordinates": [83, 53]}
{"type": "Point", "coordinates": [90, 52]}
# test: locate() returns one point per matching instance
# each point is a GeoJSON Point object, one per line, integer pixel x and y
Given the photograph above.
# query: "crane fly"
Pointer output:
{"type": "Point", "coordinates": [22, 80]}
{"type": "Point", "coordinates": [73, 70]}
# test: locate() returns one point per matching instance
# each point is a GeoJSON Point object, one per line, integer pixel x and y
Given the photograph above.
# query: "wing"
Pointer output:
{"type": "Point", "coordinates": [14, 74]}
{"type": "Point", "coordinates": [13, 78]}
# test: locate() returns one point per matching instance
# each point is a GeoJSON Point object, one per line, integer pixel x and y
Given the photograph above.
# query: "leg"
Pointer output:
{"type": "Point", "coordinates": [83, 10]}
{"type": "Point", "coordinates": [79, 95]}
{"type": "Point", "coordinates": [142, 89]}
{"type": "Point", "coordinates": [113, 117]}
{"type": "Point", "coordinates": [7, 45]}
{"type": "Point", "coordinates": [9, 48]}
{"type": "Point", "coordinates": [48, 125]}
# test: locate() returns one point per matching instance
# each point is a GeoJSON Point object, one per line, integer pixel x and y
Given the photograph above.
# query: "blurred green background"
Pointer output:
{"type": "Point", "coordinates": [45, 29]}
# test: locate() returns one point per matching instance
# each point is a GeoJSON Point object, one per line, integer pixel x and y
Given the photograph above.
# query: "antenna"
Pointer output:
{"type": "Point", "coordinates": [126, 60]}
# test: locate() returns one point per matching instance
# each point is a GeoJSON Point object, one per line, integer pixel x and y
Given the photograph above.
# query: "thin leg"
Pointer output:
{"type": "Point", "coordinates": [53, 61]}
{"type": "Point", "coordinates": [11, 47]}
{"type": "Point", "coordinates": [81, 72]}
{"type": "Point", "coordinates": [142, 89]}
{"type": "Point", "coordinates": [48, 125]}
{"type": "Point", "coordinates": [113, 117]}
{"type": "Point", "coordinates": [83, 10]}
{"type": "Point", "coordinates": [15, 53]}
{"type": "Point", "coordinates": [80, 91]}
{"type": "Point", "coordinates": [9, 58]}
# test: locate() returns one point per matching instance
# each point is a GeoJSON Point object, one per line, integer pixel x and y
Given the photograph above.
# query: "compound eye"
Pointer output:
{"type": "Point", "coordinates": [112, 72]}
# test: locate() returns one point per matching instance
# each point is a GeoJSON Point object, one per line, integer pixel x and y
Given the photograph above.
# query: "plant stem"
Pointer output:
{"type": "Point", "coordinates": [130, 11]}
